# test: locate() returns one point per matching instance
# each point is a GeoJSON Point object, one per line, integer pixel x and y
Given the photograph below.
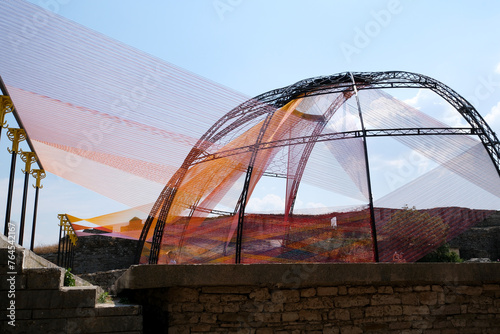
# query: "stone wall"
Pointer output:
{"type": "Point", "coordinates": [97, 253]}
{"type": "Point", "coordinates": [479, 242]}
{"type": "Point", "coordinates": [34, 300]}
{"type": "Point", "coordinates": [103, 279]}
{"type": "Point", "coordinates": [320, 298]}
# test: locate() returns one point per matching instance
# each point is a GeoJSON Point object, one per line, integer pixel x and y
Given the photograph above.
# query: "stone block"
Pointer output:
{"type": "Point", "coordinates": [261, 294]}
{"type": "Point", "coordinates": [383, 311]}
{"type": "Point", "coordinates": [331, 330]}
{"type": "Point", "coordinates": [233, 298]}
{"type": "Point", "coordinates": [350, 330]}
{"type": "Point", "coordinates": [270, 307]}
{"type": "Point", "coordinates": [400, 325]}
{"type": "Point", "coordinates": [285, 296]}
{"type": "Point", "coordinates": [184, 318]}
{"type": "Point", "coordinates": [293, 306]}
{"type": "Point", "coordinates": [359, 290]}
{"type": "Point", "coordinates": [207, 318]}
{"type": "Point", "coordinates": [339, 314]}
{"type": "Point", "coordinates": [252, 306]}
{"type": "Point", "coordinates": [491, 287]}
{"type": "Point", "coordinates": [351, 301]}
{"type": "Point", "coordinates": [428, 298]}
{"type": "Point", "coordinates": [209, 298]}
{"type": "Point", "coordinates": [306, 315]}
{"type": "Point", "coordinates": [45, 278]}
{"type": "Point", "coordinates": [328, 291]}
{"type": "Point", "coordinates": [39, 299]}
{"type": "Point", "coordinates": [306, 293]}
{"type": "Point", "coordinates": [459, 322]}
{"type": "Point", "coordinates": [447, 309]}
{"type": "Point", "coordinates": [437, 288]}
{"type": "Point", "coordinates": [421, 288]}
{"type": "Point", "coordinates": [231, 307]}
{"type": "Point", "coordinates": [385, 300]}
{"type": "Point", "coordinates": [289, 316]}
{"type": "Point", "coordinates": [412, 310]}
{"type": "Point", "coordinates": [317, 303]}
{"type": "Point", "coordinates": [422, 324]}
{"type": "Point", "coordinates": [232, 317]}
{"type": "Point", "coordinates": [78, 296]}
{"type": "Point", "coordinates": [385, 290]}
{"type": "Point", "coordinates": [267, 318]}
{"type": "Point", "coordinates": [357, 313]}
{"type": "Point", "coordinates": [192, 307]}
{"type": "Point", "coordinates": [214, 308]}
{"type": "Point", "coordinates": [469, 290]}
{"type": "Point", "coordinates": [409, 299]}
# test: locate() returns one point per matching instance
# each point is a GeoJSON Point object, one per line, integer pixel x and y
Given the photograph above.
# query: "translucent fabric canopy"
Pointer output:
{"type": "Point", "coordinates": [330, 169]}
{"type": "Point", "coordinates": [339, 142]}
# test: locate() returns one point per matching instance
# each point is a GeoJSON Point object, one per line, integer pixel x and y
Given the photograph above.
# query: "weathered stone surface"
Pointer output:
{"type": "Point", "coordinates": [359, 290]}
{"type": "Point", "coordinates": [285, 296]}
{"type": "Point", "coordinates": [351, 301]}
{"type": "Point", "coordinates": [310, 292]}
{"type": "Point", "coordinates": [183, 295]}
{"type": "Point", "coordinates": [261, 294]}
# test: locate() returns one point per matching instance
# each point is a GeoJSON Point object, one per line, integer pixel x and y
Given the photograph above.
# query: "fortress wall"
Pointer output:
{"type": "Point", "coordinates": [317, 298]}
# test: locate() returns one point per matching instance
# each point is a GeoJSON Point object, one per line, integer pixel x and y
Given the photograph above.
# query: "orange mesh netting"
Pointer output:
{"type": "Point", "coordinates": [212, 175]}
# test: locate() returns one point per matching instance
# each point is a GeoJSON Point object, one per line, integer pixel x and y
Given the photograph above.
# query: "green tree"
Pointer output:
{"type": "Point", "coordinates": [414, 231]}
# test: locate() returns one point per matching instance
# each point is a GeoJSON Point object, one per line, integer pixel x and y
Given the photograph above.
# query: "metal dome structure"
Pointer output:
{"type": "Point", "coordinates": [317, 131]}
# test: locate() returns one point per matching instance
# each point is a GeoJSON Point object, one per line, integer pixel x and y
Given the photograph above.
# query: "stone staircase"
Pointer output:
{"type": "Point", "coordinates": [33, 298]}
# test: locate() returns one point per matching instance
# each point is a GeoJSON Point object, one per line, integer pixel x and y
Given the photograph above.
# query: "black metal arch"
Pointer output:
{"type": "Point", "coordinates": [270, 101]}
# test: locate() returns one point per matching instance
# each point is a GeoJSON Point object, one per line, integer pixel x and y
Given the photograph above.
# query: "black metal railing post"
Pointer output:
{"type": "Point", "coordinates": [28, 158]}
{"type": "Point", "coordinates": [38, 174]}
{"type": "Point", "coordinates": [16, 136]}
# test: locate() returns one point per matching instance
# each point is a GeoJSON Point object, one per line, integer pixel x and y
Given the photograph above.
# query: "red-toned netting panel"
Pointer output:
{"type": "Point", "coordinates": [121, 122]}
{"type": "Point", "coordinates": [100, 113]}
{"type": "Point", "coordinates": [413, 215]}
{"type": "Point", "coordinates": [427, 189]}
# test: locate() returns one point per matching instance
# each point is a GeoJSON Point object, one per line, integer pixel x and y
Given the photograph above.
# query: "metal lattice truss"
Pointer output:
{"type": "Point", "coordinates": [264, 106]}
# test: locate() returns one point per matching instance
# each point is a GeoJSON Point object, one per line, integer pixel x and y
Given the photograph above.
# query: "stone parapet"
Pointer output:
{"type": "Point", "coordinates": [317, 298]}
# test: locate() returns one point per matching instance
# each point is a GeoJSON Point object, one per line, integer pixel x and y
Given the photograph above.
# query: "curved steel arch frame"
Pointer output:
{"type": "Point", "coordinates": [270, 101]}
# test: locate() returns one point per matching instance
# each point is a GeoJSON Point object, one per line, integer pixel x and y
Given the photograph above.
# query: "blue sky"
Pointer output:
{"type": "Point", "coordinates": [254, 46]}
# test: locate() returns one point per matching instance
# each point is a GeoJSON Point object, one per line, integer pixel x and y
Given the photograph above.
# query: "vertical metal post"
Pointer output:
{"type": "Point", "coordinates": [38, 174]}
{"type": "Point", "coordinates": [28, 158]}
{"type": "Point", "coordinates": [244, 194]}
{"type": "Point", "coordinates": [65, 246]}
{"type": "Point", "coordinates": [16, 136]}
{"type": "Point", "coordinates": [23, 209]}
{"type": "Point", "coordinates": [33, 228]}
{"type": "Point", "coordinates": [59, 245]}
{"type": "Point", "coordinates": [368, 178]}
{"type": "Point", "coordinates": [241, 215]}
{"type": "Point", "coordinates": [9, 192]}
{"type": "Point", "coordinates": [66, 254]}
